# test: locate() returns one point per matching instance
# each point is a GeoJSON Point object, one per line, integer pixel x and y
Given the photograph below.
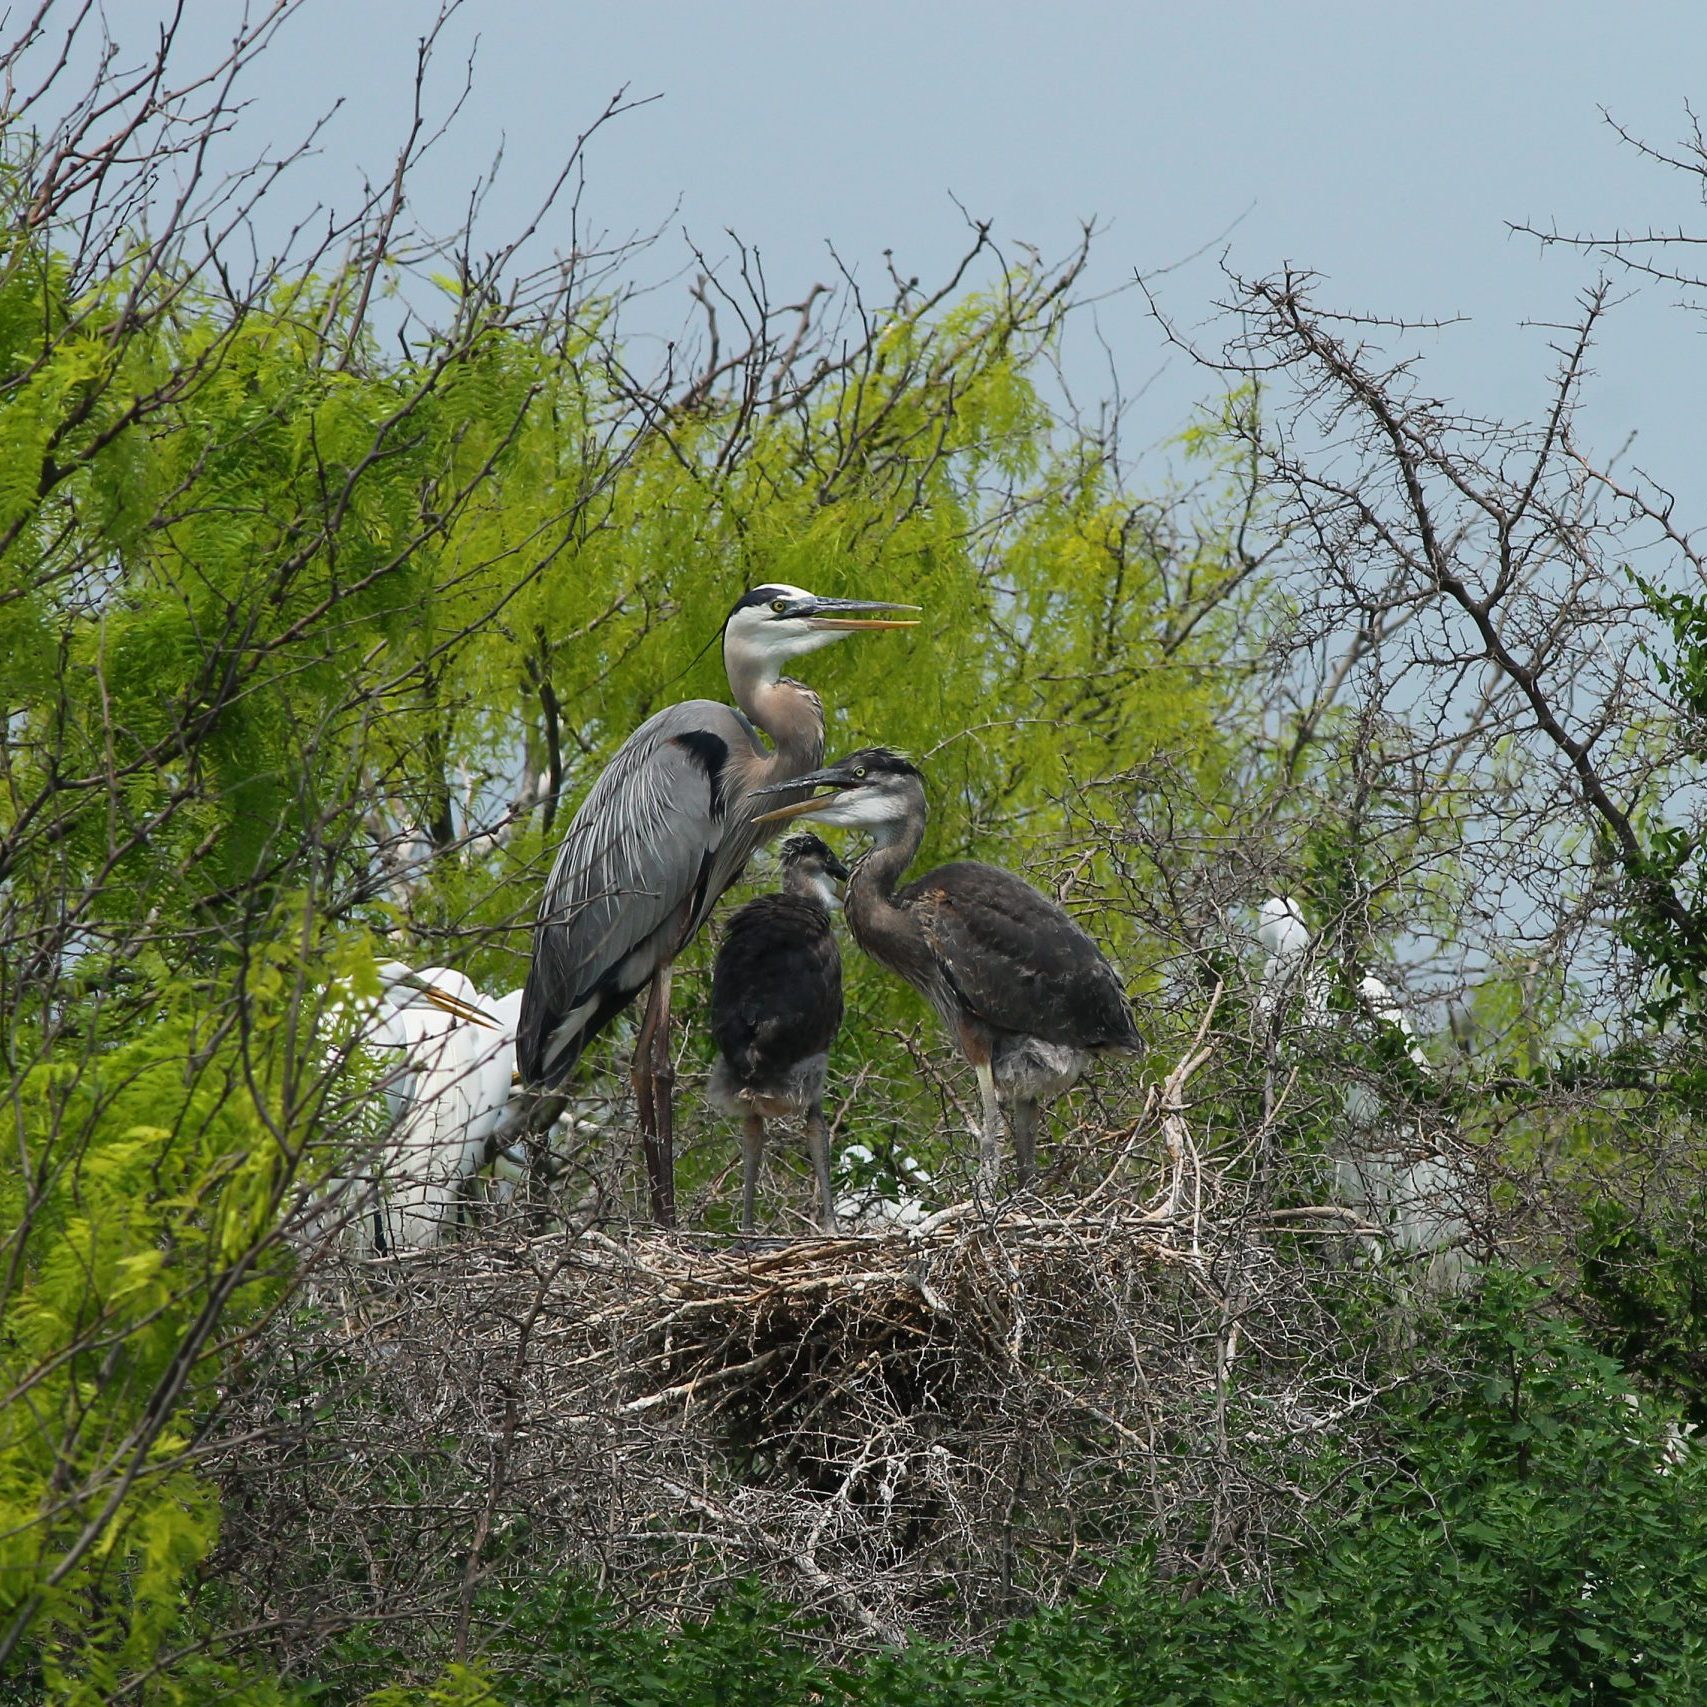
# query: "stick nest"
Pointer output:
{"type": "Point", "coordinates": [901, 1433]}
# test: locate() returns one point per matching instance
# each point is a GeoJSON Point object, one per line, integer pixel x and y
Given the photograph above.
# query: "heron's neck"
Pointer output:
{"type": "Point", "coordinates": [876, 873]}
{"type": "Point", "coordinates": [788, 711]}
{"type": "Point", "coordinates": [886, 930]}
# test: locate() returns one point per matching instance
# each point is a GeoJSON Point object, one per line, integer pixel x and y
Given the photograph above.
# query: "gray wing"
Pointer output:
{"type": "Point", "coordinates": [631, 881]}
{"type": "Point", "coordinates": [1017, 961]}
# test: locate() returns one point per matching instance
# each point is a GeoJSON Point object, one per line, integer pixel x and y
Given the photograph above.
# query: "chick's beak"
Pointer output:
{"type": "Point", "coordinates": [799, 808]}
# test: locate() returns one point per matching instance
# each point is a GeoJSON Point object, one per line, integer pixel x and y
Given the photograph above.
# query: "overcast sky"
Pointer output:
{"type": "Point", "coordinates": [1385, 147]}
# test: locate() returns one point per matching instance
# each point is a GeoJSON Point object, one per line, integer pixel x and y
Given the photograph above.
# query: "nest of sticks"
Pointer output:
{"type": "Point", "coordinates": [907, 1432]}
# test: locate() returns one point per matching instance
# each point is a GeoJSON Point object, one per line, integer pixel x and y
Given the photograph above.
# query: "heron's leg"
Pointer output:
{"type": "Point", "coordinates": [655, 1136]}
{"type": "Point", "coordinates": [664, 1106]}
{"type": "Point", "coordinates": [640, 1071]}
{"type": "Point", "coordinates": [990, 1139]}
{"type": "Point", "coordinates": [818, 1147]}
{"type": "Point", "coordinates": [752, 1153]}
{"type": "Point", "coordinates": [1024, 1117]}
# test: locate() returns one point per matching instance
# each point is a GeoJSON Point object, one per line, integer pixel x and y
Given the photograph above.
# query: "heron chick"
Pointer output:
{"type": "Point", "coordinates": [776, 1006]}
{"type": "Point", "coordinates": [665, 829]}
{"type": "Point", "coordinates": [1025, 993]}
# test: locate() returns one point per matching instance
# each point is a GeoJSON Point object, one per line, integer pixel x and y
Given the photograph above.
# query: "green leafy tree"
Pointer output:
{"type": "Point", "coordinates": [307, 645]}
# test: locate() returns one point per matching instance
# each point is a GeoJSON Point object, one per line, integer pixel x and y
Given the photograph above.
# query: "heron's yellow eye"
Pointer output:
{"type": "Point", "coordinates": [779, 605]}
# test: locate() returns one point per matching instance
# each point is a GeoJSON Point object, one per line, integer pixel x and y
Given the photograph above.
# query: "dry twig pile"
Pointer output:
{"type": "Point", "coordinates": [903, 1433]}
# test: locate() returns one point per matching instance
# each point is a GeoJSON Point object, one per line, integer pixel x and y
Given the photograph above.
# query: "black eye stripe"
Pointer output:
{"type": "Point", "coordinates": [757, 598]}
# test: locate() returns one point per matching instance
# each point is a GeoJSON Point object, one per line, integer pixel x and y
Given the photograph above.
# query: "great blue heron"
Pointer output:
{"type": "Point", "coordinates": [776, 1006]}
{"type": "Point", "coordinates": [446, 1056]}
{"type": "Point", "coordinates": [662, 833]}
{"type": "Point", "coordinates": [1023, 990]}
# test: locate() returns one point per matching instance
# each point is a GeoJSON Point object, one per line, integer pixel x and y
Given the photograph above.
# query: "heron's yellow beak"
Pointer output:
{"type": "Point", "coordinates": [844, 615]}
{"type": "Point", "coordinates": [851, 622]}
{"type": "Point", "coordinates": [457, 1008]}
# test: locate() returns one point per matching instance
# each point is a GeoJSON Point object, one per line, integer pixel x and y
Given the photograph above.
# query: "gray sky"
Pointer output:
{"type": "Point", "coordinates": [1385, 147]}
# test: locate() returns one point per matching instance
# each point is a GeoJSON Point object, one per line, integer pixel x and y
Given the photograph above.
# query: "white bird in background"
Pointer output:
{"type": "Point", "coordinates": [875, 1196]}
{"type": "Point", "coordinates": [1283, 932]}
{"type": "Point", "coordinates": [1289, 970]}
{"type": "Point", "coordinates": [1383, 1006]}
{"type": "Point", "coordinates": [1401, 1181]}
{"type": "Point", "coordinates": [448, 1060]}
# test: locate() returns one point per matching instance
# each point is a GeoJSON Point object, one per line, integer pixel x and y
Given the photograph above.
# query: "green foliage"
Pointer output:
{"type": "Point", "coordinates": [566, 1646]}
{"type": "Point", "coordinates": [269, 603]}
{"type": "Point", "coordinates": [287, 589]}
{"type": "Point", "coordinates": [1644, 1279]}
{"type": "Point", "coordinates": [1664, 916]}
{"type": "Point", "coordinates": [138, 1237]}
{"type": "Point", "coordinates": [1532, 1550]}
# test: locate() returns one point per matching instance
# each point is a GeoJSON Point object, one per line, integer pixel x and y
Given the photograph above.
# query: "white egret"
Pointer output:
{"type": "Point", "coordinates": [1398, 1175]}
{"type": "Point", "coordinates": [447, 1059]}
{"type": "Point", "coordinates": [877, 1196]}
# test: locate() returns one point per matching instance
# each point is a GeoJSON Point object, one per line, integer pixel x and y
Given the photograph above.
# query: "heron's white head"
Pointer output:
{"type": "Point", "coordinates": [774, 623]}
{"type": "Point", "coordinates": [449, 992]}
{"type": "Point", "coordinates": [874, 789]}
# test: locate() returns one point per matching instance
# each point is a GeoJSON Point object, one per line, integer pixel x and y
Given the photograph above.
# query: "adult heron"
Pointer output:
{"type": "Point", "coordinates": [446, 1056]}
{"type": "Point", "coordinates": [662, 833]}
{"type": "Point", "coordinates": [776, 1006]}
{"type": "Point", "coordinates": [1024, 992]}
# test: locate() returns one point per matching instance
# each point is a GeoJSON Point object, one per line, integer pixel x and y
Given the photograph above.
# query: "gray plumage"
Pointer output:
{"type": "Point", "coordinates": [1023, 990]}
{"type": "Point", "coordinates": [776, 1006]}
{"type": "Point", "coordinates": [653, 847]}
{"type": "Point", "coordinates": [662, 833]}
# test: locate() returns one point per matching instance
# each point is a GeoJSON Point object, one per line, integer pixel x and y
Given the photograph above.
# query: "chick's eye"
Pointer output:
{"type": "Point", "coordinates": [859, 771]}
{"type": "Point", "coordinates": [779, 605]}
